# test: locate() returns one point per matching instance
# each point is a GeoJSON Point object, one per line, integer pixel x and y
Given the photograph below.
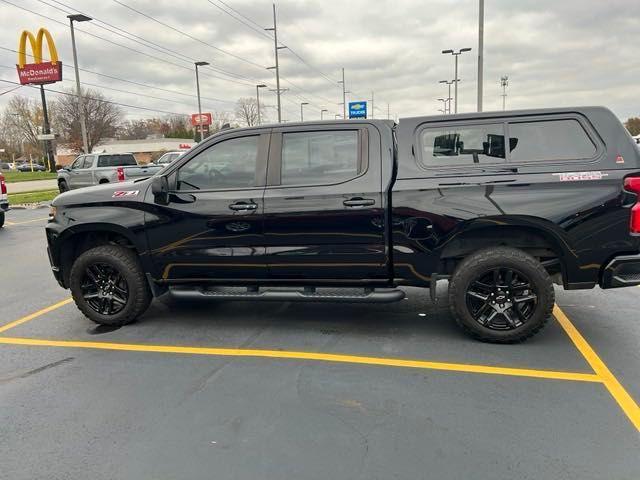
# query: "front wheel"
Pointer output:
{"type": "Point", "coordinates": [108, 285]}
{"type": "Point", "coordinates": [501, 295]}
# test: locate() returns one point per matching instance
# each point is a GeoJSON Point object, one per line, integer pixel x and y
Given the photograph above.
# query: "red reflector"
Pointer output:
{"type": "Point", "coordinates": [632, 184]}
{"type": "Point", "coordinates": [120, 172]}
{"type": "Point", "coordinates": [3, 186]}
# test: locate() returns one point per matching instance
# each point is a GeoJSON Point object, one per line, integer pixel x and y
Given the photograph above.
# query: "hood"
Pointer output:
{"type": "Point", "coordinates": [131, 190]}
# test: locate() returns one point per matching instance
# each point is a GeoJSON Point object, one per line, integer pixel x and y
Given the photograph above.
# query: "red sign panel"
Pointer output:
{"type": "Point", "coordinates": [204, 119]}
{"type": "Point", "coordinates": [40, 73]}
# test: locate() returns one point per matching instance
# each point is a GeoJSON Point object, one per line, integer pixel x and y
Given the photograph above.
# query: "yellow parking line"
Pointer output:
{"type": "Point", "coordinates": [27, 221]}
{"type": "Point", "coordinates": [617, 391]}
{"type": "Point", "coordinates": [324, 357]}
{"type": "Point", "coordinates": [31, 316]}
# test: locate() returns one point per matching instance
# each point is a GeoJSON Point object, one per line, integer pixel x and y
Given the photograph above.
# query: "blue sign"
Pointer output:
{"type": "Point", "coordinates": [358, 109]}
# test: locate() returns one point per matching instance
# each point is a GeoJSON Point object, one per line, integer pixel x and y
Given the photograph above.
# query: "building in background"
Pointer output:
{"type": "Point", "coordinates": [145, 150]}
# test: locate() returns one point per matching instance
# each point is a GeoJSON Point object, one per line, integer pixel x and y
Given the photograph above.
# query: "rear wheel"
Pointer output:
{"type": "Point", "coordinates": [501, 295]}
{"type": "Point", "coordinates": [108, 285]}
{"type": "Point", "coordinates": [1, 219]}
{"type": "Point", "coordinates": [62, 186]}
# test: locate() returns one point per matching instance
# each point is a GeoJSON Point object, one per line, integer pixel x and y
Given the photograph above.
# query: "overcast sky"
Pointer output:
{"type": "Point", "coordinates": [556, 53]}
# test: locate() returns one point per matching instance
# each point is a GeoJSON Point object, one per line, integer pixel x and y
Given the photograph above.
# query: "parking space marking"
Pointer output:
{"type": "Point", "coordinates": [33, 315]}
{"type": "Point", "coordinates": [317, 356]}
{"type": "Point", "coordinates": [615, 388]}
{"type": "Point", "coordinates": [26, 221]}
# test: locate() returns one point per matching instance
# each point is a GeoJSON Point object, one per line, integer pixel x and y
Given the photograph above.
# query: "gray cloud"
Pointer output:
{"type": "Point", "coordinates": [555, 52]}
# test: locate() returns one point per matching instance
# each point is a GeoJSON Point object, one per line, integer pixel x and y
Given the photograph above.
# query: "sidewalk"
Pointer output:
{"type": "Point", "coordinates": [32, 186]}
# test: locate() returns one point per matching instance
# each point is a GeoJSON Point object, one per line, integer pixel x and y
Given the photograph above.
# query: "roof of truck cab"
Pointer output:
{"type": "Point", "coordinates": [585, 110]}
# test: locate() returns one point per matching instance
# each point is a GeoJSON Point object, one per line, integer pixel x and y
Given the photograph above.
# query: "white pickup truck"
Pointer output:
{"type": "Point", "coordinates": [97, 168]}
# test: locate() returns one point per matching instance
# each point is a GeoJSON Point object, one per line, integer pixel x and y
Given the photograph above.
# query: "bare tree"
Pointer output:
{"type": "Point", "coordinates": [102, 118]}
{"type": "Point", "coordinates": [247, 111]}
{"type": "Point", "coordinates": [20, 126]}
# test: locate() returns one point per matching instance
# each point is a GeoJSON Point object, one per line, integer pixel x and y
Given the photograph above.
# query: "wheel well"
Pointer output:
{"type": "Point", "coordinates": [538, 245]}
{"type": "Point", "coordinates": [60, 180]}
{"type": "Point", "coordinates": [103, 180]}
{"type": "Point", "coordinates": [79, 243]}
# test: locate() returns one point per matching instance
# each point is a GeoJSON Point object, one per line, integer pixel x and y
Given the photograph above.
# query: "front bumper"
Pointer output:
{"type": "Point", "coordinates": [52, 231]}
{"type": "Point", "coordinates": [622, 271]}
{"type": "Point", "coordinates": [4, 206]}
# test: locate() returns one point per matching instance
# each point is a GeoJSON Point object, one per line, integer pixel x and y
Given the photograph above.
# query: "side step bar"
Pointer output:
{"type": "Point", "coordinates": [309, 294]}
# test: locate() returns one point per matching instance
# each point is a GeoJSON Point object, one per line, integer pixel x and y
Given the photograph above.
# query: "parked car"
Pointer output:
{"type": "Point", "coordinates": [98, 168]}
{"type": "Point", "coordinates": [167, 158]}
{"type": "Point", "coordinates": [5, 166]}
{"type": "Point", "coordinates": [31, 167]}
{"type": "Point", "coordinates": [4, 201]}
{"type": "Point", "coordinates": [501, 204]}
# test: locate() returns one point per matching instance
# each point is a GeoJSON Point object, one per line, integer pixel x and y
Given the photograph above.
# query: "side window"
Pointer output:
{"type": "Point", "coordinates": [310, 158]}
{"type": "Point", "coordinates": [77, 163]}
{"type": "Point", "coordinates": [88, 161]}
{"type": "Point", "coordinates": [228, 164]}
{"type": "Point", "coordinates": [549, 140]}
{"type": "Point", "coordinates": [465, 145]}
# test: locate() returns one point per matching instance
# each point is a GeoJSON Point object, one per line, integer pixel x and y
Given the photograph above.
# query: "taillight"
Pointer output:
{"type": "Point", "coordinates": [632, 184]}
{"type": "Point", "coordinates": [3, 186]}
{"type": "Point", "coordinates": [120, 172]}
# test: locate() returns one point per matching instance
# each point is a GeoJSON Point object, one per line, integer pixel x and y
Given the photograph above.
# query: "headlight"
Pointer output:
{"type": "Point", "coordinates": [52, 213]}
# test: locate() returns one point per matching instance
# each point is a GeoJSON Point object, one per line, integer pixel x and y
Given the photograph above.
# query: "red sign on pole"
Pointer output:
{"type": "Point", "coordinates": [40, 73]}
{"type": "Point", "coordinates": [204, 119]}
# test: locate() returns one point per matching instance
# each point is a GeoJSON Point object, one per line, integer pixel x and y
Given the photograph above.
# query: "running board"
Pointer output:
{"type": "Point", "coordinates": [308, 294]}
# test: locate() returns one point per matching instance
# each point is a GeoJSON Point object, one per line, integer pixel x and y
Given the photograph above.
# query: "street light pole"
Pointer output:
{"type": "Point", "coordinates": [372, 106]}
{"type": "Point", "coordinates": [199, 64]}
{"type": "Point", "coordinates": [455, 76]}
{"type": "Point", "coordinates": [258, 87]}
{"type": "Point", "coordinates": [83, 121]}
{"type": "Point", "coordinates": [449, 83]}
{"type": "Point", "coordinates": [322, 112]}
{"type": "Point", "coordinates": [504, 81]}
{"type": "Point", "coordinates": [301, 110]}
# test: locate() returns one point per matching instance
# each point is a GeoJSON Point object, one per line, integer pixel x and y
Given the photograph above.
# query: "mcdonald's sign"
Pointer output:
{"type": "Point", "coordinates": [38, 72]}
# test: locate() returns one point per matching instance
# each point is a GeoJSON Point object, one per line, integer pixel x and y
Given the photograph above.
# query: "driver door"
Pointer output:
{"type": "Point", "coordinates": [212, 229]}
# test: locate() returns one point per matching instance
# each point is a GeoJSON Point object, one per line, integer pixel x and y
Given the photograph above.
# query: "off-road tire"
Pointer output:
{"type": "Point", "coordinates": [126, 263]}
{"type": "Point", "coordinates": [62, 186]}
{"type": "Point", "coordinates": [504, 257]}
{"type": "Point", "coordinates": [1, 219]}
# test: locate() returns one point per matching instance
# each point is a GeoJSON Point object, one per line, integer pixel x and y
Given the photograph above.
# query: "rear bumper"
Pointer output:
{"type": "Point", "coordinates": [622, 271]}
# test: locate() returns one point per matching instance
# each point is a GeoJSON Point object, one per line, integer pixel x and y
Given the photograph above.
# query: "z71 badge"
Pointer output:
{"type": "Point", "coordinates": [125, 193]}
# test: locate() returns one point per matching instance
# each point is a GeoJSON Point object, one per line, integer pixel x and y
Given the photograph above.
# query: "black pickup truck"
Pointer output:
{"type": "Point", "coordinates": [502, 205]}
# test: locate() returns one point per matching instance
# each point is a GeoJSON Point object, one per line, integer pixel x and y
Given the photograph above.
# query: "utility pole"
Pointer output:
{"type": "Point", "coordinates": [302, 104]}
{"type": "Point", "coordinates": [83, 121]}
{"type": "Point", "coordinates": [504, 81]}
{"type": "Point", "coordinates": [199, 64]}
{"type": "Point", "coordinates": [388, 112]}
{"type": "Point", "coordinates": [277, 67]}
{"type": "Point", "coordinates": [258, 87]}
{"type": "Point", "coordinates": [344, 96]}
{"type": "Point", "coordinates": [480, 52]}
{"type": "Point", "coordinates": [455, 76]}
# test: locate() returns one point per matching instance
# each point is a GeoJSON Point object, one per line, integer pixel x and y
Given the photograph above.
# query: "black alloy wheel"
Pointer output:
{"type": "Point", "coordinates": [104, 289]}
{"type": "Point", "coordinates": [501, 299]}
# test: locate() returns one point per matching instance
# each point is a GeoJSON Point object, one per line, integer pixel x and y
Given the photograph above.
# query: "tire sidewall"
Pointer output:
{"type": "Point", "coordinates": [62, 186]}
{"type": "Point", "coordinates": [470, 271]}
{"type": "Point", "coordinates": [128, 313]}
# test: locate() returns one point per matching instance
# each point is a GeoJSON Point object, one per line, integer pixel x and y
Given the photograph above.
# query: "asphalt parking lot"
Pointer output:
{"type": "Point", "coordinates": [307, 391]}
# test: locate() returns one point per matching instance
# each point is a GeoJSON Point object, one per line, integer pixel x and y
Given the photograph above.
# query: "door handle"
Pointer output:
{"type": "Point", "coordinates": [243, 207]}
{"type": "Point", "coordinates": [359, 202]}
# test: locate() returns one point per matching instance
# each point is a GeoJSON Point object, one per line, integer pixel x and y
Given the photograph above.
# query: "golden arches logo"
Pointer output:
{"type": "Point", "coordinates": [38, 72]}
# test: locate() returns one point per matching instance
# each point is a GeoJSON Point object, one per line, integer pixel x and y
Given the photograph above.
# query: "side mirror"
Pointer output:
{"type": "Point", "coordinates": [160, 190]}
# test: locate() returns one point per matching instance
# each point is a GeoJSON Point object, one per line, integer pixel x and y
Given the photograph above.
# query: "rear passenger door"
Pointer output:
{"type": "Point", "coordinates": [323, 204]}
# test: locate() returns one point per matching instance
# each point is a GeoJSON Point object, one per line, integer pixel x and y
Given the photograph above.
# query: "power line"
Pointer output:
{"type": "Point", "coordinates": [255, 27]}
{"type": "Point", "coordinates": [121, 45]}
{"type": "Point", "coordinates": [189, 36]}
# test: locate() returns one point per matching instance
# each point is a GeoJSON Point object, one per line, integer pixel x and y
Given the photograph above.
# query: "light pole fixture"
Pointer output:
{"type": "Point", "coordinates": [78, 17]}
{"type": "Point", "coordinates": [504, 82]}
{"type": "Point", "coordinates": [302, 104]}
{"type": "Point", "coordinates": [322, 113]}
{"type": "Point", "coordinates": [258, 87]}
{"type": "Point", "coordinates": [444, 105]}
{"type": "Point", "coordinates": [199, 64]}
{"type": "Point", "coordinates": [449, 83]}
{"type": "Point", "coordinates": [455, 76]}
